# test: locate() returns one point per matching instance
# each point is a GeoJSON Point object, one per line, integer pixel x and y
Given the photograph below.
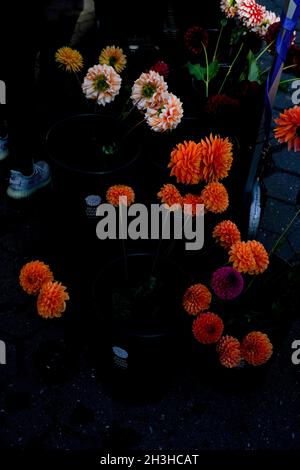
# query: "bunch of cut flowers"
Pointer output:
{"type": "Point", "coordinates": [159, 108]}
{"type": "Point", "coordinates": [237, 62]}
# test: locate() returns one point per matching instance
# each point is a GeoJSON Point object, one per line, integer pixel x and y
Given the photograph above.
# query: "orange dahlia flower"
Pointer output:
{"type": "Point", "coordinates": [229, 350]}
{"type": "Point", "coordinates": [33, 275]}
{"type": "Point", "coordinates": [51, 302]}
{"type": "Point", "coordinates": [260, 255]}
{"type": "Point", "coordinates": [185, 162]}
{"type": "Point", "coordinates": [249, 257]}
{"type": "Point", "coordinates": [169, 195]}
{"type": "Point", "coordinates": [190, 202]}
{"type": "Point", "coordinates": [120, 194]}
{"type": "Point", "coordinates": [215, 197]}
{"type": "Point", "coordinates": [113, 56]}
{"type": "Point", "coordinates": [196, 299]}
{"type": "Point", "coordinates": [226, 234]}
{"type": "Point", "coordinates": [288, 128]}
{"type": "Point", "coordinates": [208, 328]}
{"type": "Point", "coordinates": [69, 59]}
{"type": "Point", "coordinates": [256, 348]}
{"type": "Point", "coordinates": [216, 158]}
{"type": "Point", "coordinates": [242, 258]}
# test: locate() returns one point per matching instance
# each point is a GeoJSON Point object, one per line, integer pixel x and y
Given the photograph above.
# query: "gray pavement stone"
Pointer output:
{"type": "Point", "coordinates": [268, 239]}
{"type": "Point", "coordinates": [274, 5]}
{"type": "Point", "coordinates": [283, 100]}
{"type": "Point", "coordinates": [20, 325]}
{"type": "Point", "coordinates": [18, 316]}
{"type": "Point", "coordinates": [60, 440]}
{"type": "Point", "coordinates": [9, 369]}
{"type": "Point", "coordinates": [283, 186]}
{"type": "Point", "coordinates": [285, 160]}
{"type": "Point", "coordinates": [294, 237]}
{"type": "Point", "coordinates": [277, 216]}
{"type": "Point", "coordinates": [24, 412]}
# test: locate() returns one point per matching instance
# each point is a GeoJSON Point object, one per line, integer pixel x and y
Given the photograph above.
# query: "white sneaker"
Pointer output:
{"type": "Point", "coordinates": [21, 186]}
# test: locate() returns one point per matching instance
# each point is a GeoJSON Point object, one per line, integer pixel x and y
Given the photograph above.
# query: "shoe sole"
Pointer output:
{"type": "Point", "coordinates": [17, 194]}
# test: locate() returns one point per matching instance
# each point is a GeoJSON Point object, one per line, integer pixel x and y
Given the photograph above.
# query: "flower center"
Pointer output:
{"type": "Point", "coordinates": [298, 131]}
{"type": "Point", "coordinates": [112, 61]}
{"type": "Point", "coordinates": [101, 83]}
{"type": "Point", "coordinates": [231, 279]}
{"type": "Point", "coordinates": [148, 90]}
{"type": "Point", "coordinates": [211, 330]}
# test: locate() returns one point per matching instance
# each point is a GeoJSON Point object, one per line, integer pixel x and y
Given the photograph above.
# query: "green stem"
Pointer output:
{"type": "Point", "coordinates": [78, 80]}
{"type": "Point", "coordinates": [96, 103]}
{"type": "Point", "coordinates": [284, 68]}
{"type": "Point", "coordinates": [249, 285]}
{"type": "Point", "coordinates": [289, 80]}
{"type": "Point", "coordinates": [264, 50]}
{"type": "Point", "coordinates": [135, 126]}
{"type": "Point", "coordinates": [274, 247]}
{"type": "Point", "coordinates": [266, 70]}
{"type": "Point", "coordinates": [218, 42]}
{"type": "Point", "coordinates": [230, 68]}
{"type": "Point", "coordinates": [125, 115]}
{"type": "Point", "coordinates": [207, 71]}
{"type": "Point", "coordinates": [289, 67]}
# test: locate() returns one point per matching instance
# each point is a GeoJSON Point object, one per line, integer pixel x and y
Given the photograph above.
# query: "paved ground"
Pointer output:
{"type": "Point", "coordinates": [75, 411]}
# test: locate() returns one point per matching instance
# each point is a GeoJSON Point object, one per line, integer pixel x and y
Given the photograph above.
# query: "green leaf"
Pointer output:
{"type": "Point", "coordinates": [213, 69]}
{"type": "Point", "coordinates": [242, 77]}
{"type": "Point", "coordinates": [109, 149]}
{"type": "Point", "coordinates": [197, 71]}
{"type": "Point", "coordinates": [224, 22]}
{"type": "Point", "coordinates": [254, 69]}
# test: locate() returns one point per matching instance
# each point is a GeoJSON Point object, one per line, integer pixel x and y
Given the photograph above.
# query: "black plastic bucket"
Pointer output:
{"type": "Point", "coordinates": [140, 347]}
{"type": "Point", "coordinates": [89, 152]}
